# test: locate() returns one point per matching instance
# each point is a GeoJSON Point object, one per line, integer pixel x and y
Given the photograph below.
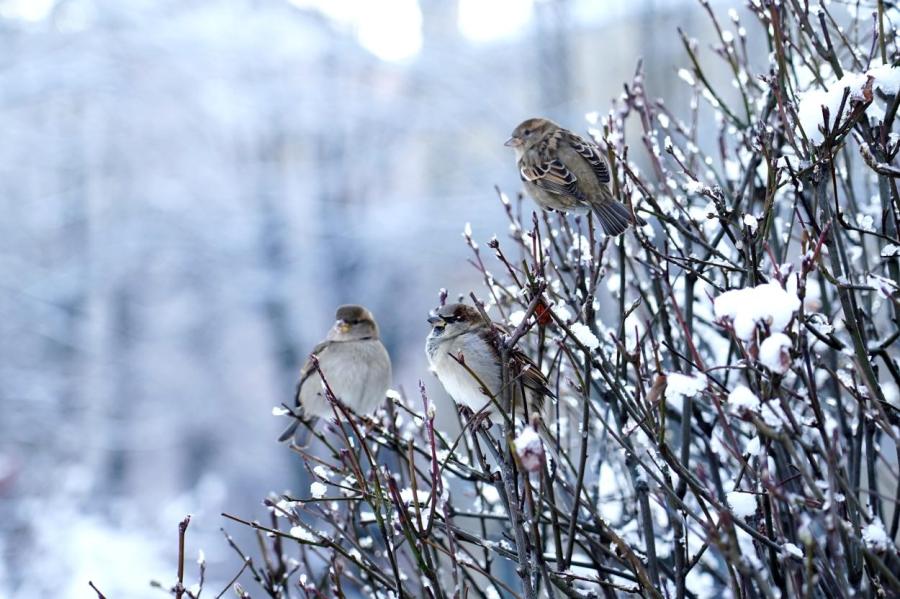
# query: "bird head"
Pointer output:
{"type": "Point", "coordinates": [529, 132]}
{"type": "Point", "coordinates": [454, 319]}
{"type": "Point", "coordinates": [353, 322]}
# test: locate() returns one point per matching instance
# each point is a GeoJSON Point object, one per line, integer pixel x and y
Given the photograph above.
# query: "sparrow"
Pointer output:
{"type": "Point", "coordinates": [463, 350]}
{"type": "Point", "coordinates": [562, 171]}
{"type": "Point", "coordinates": [355, 364]}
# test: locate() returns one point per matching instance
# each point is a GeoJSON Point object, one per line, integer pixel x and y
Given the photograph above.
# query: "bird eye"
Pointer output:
{"type": "Point", "coordinates": [527, 132]}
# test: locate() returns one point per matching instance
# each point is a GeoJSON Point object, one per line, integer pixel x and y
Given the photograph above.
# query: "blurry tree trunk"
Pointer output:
{"type": "Point", "coordinates": [73, 301]}
{"type": "Point", "coordinates": [554, 68]}
{"type": "Point", "coordinates": [125, 226]}
{"type": "Point", "coordinates": [124, 399]}
{"type": "Point", "coordinates": [334, 199]}
{"type": "Point", "coordinates": [273, 236]}
{"type": "Point", "coordinates": [97, 384]}
{"type": "Point", "coordinates": [200, 448]}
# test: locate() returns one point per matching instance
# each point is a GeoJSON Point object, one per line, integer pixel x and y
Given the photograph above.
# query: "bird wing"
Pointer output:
{"type": "Point", "coordinates": [532, 377]}
{"type": "Point", "coordinates": [308, 369]}
{"type": "Point", "coordinates": [305, 373]}
{"type": "Point", "coordinates": [531, 373]}
{"type": "Point", "coordinates": [526, 375]}
{"type": "Point", "coordinates": [590, 153]}
{"type": "Point", "coordinates": [546, 171]}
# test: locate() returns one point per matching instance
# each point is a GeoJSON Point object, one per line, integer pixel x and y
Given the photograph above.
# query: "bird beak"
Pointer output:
{"type": "Point", "coordinates": [513, 142]}
{"type": "Point", "coordinates": [433, 320]}
{"type": "Point", "coordinates": [343, 326]}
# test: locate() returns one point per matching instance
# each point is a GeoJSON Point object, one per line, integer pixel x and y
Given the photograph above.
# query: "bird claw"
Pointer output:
{"type": "Point", "coordinates": [475, 420]}
{"type": "Point", "coordinates": [480, 420]}
{"type": "Point", "coordinates": [369, 423]}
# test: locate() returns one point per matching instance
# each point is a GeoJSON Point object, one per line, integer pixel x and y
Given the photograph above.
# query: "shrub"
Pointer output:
{"type": "Point", "coordinates": [726, 376]}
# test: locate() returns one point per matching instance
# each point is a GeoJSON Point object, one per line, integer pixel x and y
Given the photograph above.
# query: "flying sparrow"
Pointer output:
{"type": "Point", "coordinates": [564, 172]}
{"type": "Point", "coordinates": [463, 351]}
{"type": "Point", "coordinates": [355, 364]}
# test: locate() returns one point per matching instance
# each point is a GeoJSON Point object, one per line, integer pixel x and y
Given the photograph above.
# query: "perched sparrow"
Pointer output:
{"type": "Point", "coordinates": [355, 364]}
{"type": "Point", "coordinates": [462, 350]}
{"type": "Point", "coordinates": [564, 172]}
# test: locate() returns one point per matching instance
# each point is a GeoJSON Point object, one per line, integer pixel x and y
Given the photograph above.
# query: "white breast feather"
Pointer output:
{"type": "Point", "coordinates": [459, 382]}
{"type": "Point", "coordinates": [359, 373]}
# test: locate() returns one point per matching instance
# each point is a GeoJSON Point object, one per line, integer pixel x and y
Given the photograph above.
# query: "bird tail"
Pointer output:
{"type": "Point", "coordinates": [289, 431]}
{"type": "Point", "coordinates": [299, 437]}
{"type": "Point", "coordinates": [297, 418]}
{"type": "Point", "coordinates": [615, 217]}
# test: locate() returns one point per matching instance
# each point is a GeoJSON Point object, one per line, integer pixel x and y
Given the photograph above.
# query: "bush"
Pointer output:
{"type": "Point", "coordinates": [726, 376]}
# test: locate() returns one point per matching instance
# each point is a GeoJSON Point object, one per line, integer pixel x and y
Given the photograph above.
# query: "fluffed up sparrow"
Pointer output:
{"type": "Point", "coordinates": [463, 351]}
{"type": "Point", "coordinates": [355, 364]}
{"type": "Point", "coordinates": [564, 172]}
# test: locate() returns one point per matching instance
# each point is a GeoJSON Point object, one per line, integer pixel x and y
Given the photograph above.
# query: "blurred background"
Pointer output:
{"type": "Point", "coordinates": [188, 189]}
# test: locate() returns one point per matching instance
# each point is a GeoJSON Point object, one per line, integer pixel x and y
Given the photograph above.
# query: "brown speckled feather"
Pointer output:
{"type": "Point", "coordinates": [589, 152]}
{"type": "Point", "coordinates": [524, 372]}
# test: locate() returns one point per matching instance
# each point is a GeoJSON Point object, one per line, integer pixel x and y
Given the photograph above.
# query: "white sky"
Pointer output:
{"type": "Point", "coordinates": [392, 29]}
{"type": "Point", "coordinates": [27, 10]}
{"type": "Point", "coordinates": [389, 29]}
{"type": "Point", "coordinates": [485, 21]}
